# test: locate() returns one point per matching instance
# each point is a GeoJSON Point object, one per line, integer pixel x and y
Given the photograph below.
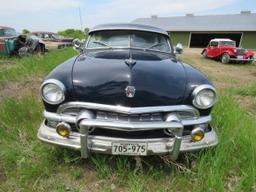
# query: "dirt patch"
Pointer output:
{"type": "Point", "coordinates": [254, 73]}
{"type": "Point", "coordinates": [17, 89]}
{"type": "Point", "coordinates": [3, 177]}
{"type": "Point", "coordinates": [248, 103]}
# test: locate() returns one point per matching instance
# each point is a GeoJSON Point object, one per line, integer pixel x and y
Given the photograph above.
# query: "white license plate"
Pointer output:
{"type": "Point", "coordinates": [240, 57]}
{"type": "Point", "coordinates": [121, 148]}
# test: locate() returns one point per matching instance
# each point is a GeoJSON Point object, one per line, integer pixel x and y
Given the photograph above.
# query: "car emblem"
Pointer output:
{"type": "Point", "coordinates": [130, 91]}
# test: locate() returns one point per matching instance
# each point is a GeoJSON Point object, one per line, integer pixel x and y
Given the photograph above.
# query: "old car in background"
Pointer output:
{"type": "Point", "coordinates": [7, 38]}
{"type": "Point", "coordinates": [53, 40]}
{"type": "Point", "coordinates": [127, 94]}
{"type": "Point", "coordinates": [226, 51]}
{"type": "Point", "coordinates": [13, 44]}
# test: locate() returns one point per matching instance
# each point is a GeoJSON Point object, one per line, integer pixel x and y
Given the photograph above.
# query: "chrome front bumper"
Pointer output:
{"type": "Point", "coordinates": [237, 59]}
{"type": "Point", "coordinates": [86, 119]}
{"type": "Point", "coordinates": [99, 144]}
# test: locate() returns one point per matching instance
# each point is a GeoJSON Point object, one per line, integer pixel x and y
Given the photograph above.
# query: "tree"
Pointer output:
{"type": "Point", "coordinates": [25, 31]}
{"type": "Point", "coordinates": [74, 33]}
{"type": "Point", "coordinates": [86, 30]}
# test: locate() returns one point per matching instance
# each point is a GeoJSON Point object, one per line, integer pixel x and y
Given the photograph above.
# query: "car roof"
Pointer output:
{"type": "Point", "coordinates": [127, 26]}
{"type": "Point", "coordinates": [43, 32]}
{"type": "Point", "coordinates": [221, 39]}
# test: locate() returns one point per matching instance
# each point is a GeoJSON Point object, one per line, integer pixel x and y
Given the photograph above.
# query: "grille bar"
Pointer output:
{"type": "Point", "coordinates": [240, 51]}
{"type": "Point", "coordinates": [147, 117]}
{"type": "Point", "coordinates": [127, 110]}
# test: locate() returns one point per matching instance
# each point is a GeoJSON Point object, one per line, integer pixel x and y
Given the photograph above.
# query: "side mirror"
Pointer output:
{"type": "Point", "coordinates": [179, 48]}
{"type": "Point", "coordinates": [77, 45]}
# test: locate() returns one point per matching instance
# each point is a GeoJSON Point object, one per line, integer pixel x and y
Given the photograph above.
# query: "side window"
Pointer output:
{"type": "Point", "coordinates": [214, 43]}
{"type": "Point", "coordinates": [46, 36]}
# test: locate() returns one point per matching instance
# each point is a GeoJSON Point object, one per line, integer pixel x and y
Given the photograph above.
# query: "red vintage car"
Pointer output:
{"type": "Point", "coordinates": [226, 51]}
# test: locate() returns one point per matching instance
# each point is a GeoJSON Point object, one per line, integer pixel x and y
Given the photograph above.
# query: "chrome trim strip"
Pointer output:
{"type": "Point", "coordinates": [73, 119]}
{"type": "Point", "coordinates": [236, 59]}
{"type": "Point", "coordinates": [130, 126]}
{"type": "Point", "coordinates": [59, 117]}
{"type": "Point", "coordinates": [127, 110]}
{"type": "Point", "coordinates": [133, 48]}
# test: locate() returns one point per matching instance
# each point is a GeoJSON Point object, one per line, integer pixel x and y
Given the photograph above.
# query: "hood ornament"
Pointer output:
{"type": "Point", "coordinates": [130, 91]}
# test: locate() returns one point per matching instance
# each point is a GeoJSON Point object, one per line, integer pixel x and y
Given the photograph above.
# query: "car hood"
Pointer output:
{"type": "Point", "coordinates": [103, 77]}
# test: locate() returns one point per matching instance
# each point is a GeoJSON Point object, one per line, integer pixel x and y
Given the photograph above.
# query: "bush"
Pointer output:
{"type": "Point", "coordinates": [74, 33]}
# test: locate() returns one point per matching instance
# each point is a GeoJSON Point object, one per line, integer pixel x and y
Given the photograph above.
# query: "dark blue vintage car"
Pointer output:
{"type": "Point", "coordinates": [127, 94]}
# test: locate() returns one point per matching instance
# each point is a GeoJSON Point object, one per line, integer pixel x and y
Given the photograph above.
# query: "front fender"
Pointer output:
{"type": "Point", "coordinates": [248, 54]}
{"type": "Point", "coordinates": [63, 73]}
{"type": "Point", "coordinates": [203, 51]}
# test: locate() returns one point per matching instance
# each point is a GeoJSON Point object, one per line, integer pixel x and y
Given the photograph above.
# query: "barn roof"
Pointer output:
{"type": "Point", "coordinates": [245, 21]}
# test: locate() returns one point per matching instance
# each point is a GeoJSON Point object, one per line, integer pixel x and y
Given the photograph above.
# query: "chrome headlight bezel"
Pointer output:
{"type": "Point", "coordinates": [199, 90]}
{"type": "Point", "coordinates": [59, 85]}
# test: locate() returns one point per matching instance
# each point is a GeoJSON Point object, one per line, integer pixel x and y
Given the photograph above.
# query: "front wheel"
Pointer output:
{"type": "Point", "coordinates": [40, 49]}
{"type": "Point", "coordinates": [204, 54]}
{"type": "Point", "coordinates": [251, 57]}
{"type": "Point", "coordinates": [225, 58]}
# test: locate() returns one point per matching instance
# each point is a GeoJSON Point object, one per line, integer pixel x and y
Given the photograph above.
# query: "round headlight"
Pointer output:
{"type": "Point", "coordinates": [204, 96]}
{"type": "Point", "coordinates": [53, 91]}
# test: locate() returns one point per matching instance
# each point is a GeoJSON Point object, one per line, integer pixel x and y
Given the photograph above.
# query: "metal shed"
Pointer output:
{"type": "Point", "coordinates": [196, 31]}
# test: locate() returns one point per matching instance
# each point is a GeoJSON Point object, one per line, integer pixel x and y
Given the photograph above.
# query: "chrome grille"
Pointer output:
{"type": "Point", "coordinates": [143, 117]}
{"type": "Point", "coordinates": [136, 114]}
{"type": "Point", "coordinates": [240, 51]}
{"type": "Point", "coordinates": [147, 117]}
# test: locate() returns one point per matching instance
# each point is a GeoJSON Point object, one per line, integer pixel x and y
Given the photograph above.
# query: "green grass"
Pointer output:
{"type": "Point", "coordinates": [249, 90]}
{"type": "Point", "coordinates": [35, 65]}
{"type": "Point", "coordinates": [28, 165]}
{"type": "Point", "coordinates": [33, 166]}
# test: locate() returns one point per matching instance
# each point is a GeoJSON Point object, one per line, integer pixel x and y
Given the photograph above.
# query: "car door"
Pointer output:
{"type": "Point", "coordinates": [213, 49]}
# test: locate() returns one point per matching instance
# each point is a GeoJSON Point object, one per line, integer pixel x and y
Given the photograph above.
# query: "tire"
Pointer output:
{"type": "Point", "coordinates": [40, 49]}
{"type": "Point", "coordinates": [225, 58]}
{"type": "Point", "coordinates": [61, 46]}
{"type": "Point", "coordinates": [250, 62]}
{"type": "Point", "coordinates": [204, 54]}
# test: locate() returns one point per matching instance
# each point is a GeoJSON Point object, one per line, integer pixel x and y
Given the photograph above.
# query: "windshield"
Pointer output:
{"type": "Point", "coordinates": [55, 36]}
{"type": "Point", "coordinates": [129, 39]}
{"type": "Point", "coordinates": [230, 43]}
{"type": "Point", "coordinates": [7, 33]}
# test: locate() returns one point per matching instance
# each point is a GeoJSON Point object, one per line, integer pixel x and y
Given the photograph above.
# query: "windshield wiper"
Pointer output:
{"type": "Point", "coordinates": [155, 45]}
{"type": "Point", "coordinates": [102, 43]}
{"type": "Point", "coordinates": [147, 49]}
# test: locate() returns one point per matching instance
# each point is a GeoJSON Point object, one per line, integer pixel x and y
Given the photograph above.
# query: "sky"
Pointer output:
{"type": "Point", "coordinates": [57, 15]}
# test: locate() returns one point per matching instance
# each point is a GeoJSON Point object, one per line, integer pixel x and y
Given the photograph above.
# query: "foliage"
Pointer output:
{"type": "Point", "coordinates": [74, 33]}
{"type": "Point", "coordinates": [25, 31]}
